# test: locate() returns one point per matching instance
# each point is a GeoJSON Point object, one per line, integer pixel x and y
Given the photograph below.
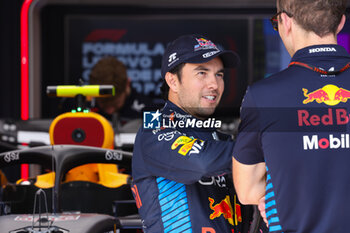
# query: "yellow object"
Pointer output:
{"type": "Point", "coordinates": [86, 172]}
{"type": "Point", "coordinates": [99, 133]}
{"type": "Point", "coordinates": [235, 203]}
{"type": "Point", "coordinates": [87, 90]}
{"type": "Point", "coordinates": [45, 181]}
{"type": "Point", "coordinates": [109, 176]}
{"type": "Point", "coordinates": [82, 120]}
{"type": "Point", "coordinates": [3, 179]}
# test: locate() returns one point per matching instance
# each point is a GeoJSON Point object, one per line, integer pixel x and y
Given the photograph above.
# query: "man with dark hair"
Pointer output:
{"type": "Point", "coordinates": [180, 168]}
{"type": "Point", "coordinates": [110, 71]}
{"type": "Point", "coordinates": [165, 88]}
{"type": "Point", "coordinates": [127, 104]}
{"type": "Point", "coordinates": [292, 150]}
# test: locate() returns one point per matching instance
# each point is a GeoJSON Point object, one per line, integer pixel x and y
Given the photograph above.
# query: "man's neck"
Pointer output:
{"type": "Point", "coordinates": [304, 39]}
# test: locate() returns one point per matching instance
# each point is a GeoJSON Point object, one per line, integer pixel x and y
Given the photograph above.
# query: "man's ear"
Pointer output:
{"type": "Point", "coordinates": [341, 24]}
{"type": "Point", "coordinates": [287, 23]}
{"type": "Point", "coordinates": [172, 81]}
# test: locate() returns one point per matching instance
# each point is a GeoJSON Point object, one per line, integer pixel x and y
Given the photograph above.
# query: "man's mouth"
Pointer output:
{"type": "Point", "coordinates": [210, 97]}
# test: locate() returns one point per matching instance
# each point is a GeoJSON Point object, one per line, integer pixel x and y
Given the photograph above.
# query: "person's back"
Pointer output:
{"type": "Point", "coordinates": [296, 123]}
{"type": "Point", "coordinates": [303, 120]}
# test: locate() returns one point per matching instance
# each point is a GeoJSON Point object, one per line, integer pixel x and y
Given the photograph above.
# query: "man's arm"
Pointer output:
{"type": "Point", "coordinates": [249, 181]}
{"type": "Point", "coordinates": [261, 207]}
{"type": "Point", "coordinates": [174, 156]}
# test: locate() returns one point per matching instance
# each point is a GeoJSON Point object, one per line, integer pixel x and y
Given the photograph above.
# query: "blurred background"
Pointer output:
{"type": "Point", "coordinates": [65, 38]}
{"type": "Point", "coordinates": [57, 42]}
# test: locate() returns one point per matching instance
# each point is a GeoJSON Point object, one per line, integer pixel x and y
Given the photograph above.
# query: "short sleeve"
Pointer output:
{"type": "Point", "coordinates": [248, 149]}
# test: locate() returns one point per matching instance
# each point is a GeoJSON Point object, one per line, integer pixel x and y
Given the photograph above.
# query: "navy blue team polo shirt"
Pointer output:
{"type": "Point", "coordinates": [297, 122]}
{"type": "Point", "coordinates": [180, 178]}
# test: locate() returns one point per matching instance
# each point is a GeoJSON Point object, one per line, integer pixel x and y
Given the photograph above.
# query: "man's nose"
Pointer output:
{"type": "Point", "coordinates": [212, 82]}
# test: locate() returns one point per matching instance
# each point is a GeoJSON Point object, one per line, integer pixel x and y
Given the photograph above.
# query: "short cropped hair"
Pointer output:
{"type": "Point", "coordinates": [319, 16]}
{"type": "Point", "coordinates": [110, 71]}
{"type": "Point", "coordinates": [177, 70]}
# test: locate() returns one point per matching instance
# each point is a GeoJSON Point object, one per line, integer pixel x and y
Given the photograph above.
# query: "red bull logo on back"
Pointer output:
{"type": "Point", "coordinates": [329, 95]}
{"type": "Point", "coordinates": [342, 95]}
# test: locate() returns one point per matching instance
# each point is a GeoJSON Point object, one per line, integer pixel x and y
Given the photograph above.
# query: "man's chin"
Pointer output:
{"type": "Point", "coordinates": [203, 113]}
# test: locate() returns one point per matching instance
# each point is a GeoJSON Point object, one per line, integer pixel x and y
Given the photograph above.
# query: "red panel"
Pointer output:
{"type": "Point", "coordinates": [93, 129]}
{"type": "Point", "coordinates": [24, 73]}
{"type": "Point", "coordinates": [24, 60]}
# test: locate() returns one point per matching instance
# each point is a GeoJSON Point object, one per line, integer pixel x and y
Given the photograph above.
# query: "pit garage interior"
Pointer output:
{"type": "Point", "coordinates": [57, 42]}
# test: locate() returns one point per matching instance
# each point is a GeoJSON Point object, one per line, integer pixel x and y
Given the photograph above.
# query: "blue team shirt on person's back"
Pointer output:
{"type": "Point", "coordinates": [296, 121]}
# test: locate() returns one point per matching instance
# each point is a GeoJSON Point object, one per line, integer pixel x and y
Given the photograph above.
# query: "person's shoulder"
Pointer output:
{"type": "Point", "coordinates": [279, 78]}
{"type": "Point", "coordinates": [146, 132]}
{"type": "Point", "coordinates": [137, 103]}
{"type": "Point", "coordinates": [155, 139]}
{"type": "Point", "coordinates": [273, 85]}
{"type": "Point", "coordinates": [142, 136]}
{"type": "Point", "coordinates": [272, 90]}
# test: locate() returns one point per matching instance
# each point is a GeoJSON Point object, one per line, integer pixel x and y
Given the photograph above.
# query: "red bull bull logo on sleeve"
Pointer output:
{"type": "Point", "coordinates": [329, 95]}
{"type": "Point", "coordinates": [224, 208]}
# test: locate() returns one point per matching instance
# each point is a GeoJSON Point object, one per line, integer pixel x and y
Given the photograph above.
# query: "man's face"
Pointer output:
{"type": "Point", "coordinates": [201, 87]}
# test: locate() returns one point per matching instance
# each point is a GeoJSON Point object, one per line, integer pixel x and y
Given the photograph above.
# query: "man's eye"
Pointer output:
{"type": "Point", "coordinates": [201, 73]}
{"type": "Point", "coordinates": [221, 75]}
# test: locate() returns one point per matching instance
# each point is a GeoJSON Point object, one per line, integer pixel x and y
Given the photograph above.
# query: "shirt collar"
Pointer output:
{"type": "Point", "coordinates": [178, 113]}
{"type": "Point", "coordinates": [320, 50]}
{"type": "Point", "coordinates": [175, 113]}
{"type": "Point", "coordinates": [170, 107]}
